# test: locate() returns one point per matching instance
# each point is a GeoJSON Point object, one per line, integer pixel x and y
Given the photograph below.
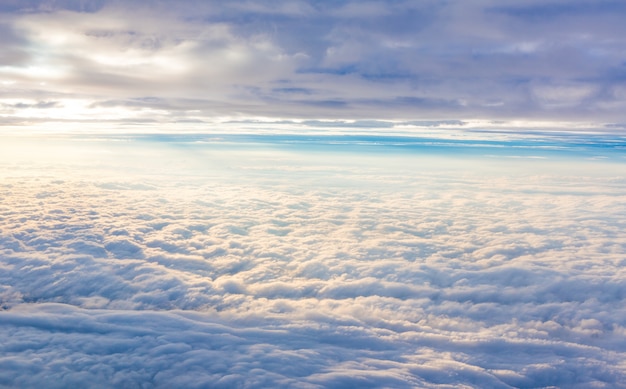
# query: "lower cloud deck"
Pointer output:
{"type": "Point", "coordinates": [169, 264]}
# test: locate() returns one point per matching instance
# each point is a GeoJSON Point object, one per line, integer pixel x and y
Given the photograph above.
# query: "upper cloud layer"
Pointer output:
{"type": "Point", "coordinates": [231, 262]}
{"type": "Point", "coordinates": [387, 59]}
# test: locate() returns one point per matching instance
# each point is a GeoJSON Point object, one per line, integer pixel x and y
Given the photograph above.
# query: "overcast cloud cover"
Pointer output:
{"type": "Point", "coordinates": [189, 61]}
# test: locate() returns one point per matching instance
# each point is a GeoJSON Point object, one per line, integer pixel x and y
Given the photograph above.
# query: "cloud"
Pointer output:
{"type": "Point", "coordinates": [311, 60]}
{"type": "Point", "coordinates": [179, 261]}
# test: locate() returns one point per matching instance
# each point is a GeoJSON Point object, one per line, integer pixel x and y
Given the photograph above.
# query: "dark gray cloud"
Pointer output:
{"type": "Point", "coordinates": [28, 6]}
{"type": "Point", "coordinates": [14, 47]}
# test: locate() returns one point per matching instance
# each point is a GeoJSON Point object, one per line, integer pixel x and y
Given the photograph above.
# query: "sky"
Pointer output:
{"type": "Point", "coordinates": [312, 194]}
{"type": "Point", "coordinates": [193, 63]}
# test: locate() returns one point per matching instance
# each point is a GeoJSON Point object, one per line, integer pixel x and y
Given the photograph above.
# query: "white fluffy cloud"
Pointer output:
{"type": "Point", "coordinates": [227, 263]}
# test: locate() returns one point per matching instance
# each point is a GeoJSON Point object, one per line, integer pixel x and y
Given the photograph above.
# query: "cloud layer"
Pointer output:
{"type": "Point", "coordinates": [165, 62]}
{"type": "Point", "coordinates": [129, 264]}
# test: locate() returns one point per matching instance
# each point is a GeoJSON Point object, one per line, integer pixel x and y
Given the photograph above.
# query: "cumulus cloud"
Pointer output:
{"type": "Point", "coordinates": [234, 262]}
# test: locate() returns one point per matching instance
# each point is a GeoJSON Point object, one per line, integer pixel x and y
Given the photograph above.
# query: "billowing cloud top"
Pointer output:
{"type": "Point", "coordinates": [195, 261]}
{"type": "Point", "coordinates": [190, 61]}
